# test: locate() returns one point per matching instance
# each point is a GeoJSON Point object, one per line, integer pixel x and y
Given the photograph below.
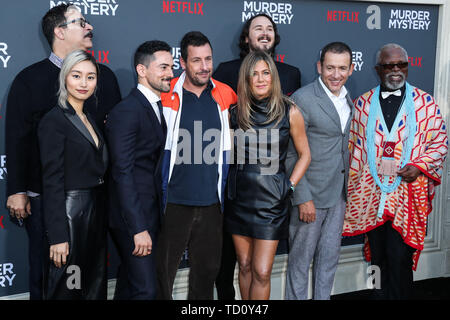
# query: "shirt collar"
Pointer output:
{"type": "Point", "coordinates": [57, 61]}
{"type": "Point", "coordinates": [342, 93]}
{"type": "Point", "coordinates": [149, 94]}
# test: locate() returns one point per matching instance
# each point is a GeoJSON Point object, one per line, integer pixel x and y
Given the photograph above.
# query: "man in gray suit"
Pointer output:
{"type": "Point", "coordinates": [315, 228]}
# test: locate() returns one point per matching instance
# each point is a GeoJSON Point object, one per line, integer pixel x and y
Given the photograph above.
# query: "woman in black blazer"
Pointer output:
{"type": "Point", "coordinates": [74, 161]}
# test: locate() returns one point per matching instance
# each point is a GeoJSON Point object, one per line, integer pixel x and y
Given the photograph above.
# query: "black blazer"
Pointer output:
{"type": "Point", "coordinates": [33, 93]}
{"type": "Point", "coordinates": [290, 78]}
{"type": "Point", "coordinates": [136, 142]}
{"type": "Point", "coordinates": [70, 161]}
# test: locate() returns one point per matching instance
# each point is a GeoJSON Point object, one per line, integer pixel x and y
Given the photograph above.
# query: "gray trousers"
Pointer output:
{"type": "Point", "coordinates": [319, 240]}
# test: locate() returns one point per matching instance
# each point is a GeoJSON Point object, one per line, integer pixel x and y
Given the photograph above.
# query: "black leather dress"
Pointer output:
{"type": "Point", "coordinates": [258, 189]}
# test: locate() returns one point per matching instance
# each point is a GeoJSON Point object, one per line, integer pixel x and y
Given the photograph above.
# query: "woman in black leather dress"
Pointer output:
{"type": "Point", "coordinates": [258, 188]}
{"type": "Point", "coordinates": [74, 161]}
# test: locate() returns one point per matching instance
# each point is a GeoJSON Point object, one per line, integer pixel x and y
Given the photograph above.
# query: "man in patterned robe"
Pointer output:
{"type": "Point", "coordinates": [398, 144]}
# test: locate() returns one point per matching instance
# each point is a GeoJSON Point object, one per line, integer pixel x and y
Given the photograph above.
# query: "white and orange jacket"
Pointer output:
{"type": "Point", "coordinates": [172, 103]}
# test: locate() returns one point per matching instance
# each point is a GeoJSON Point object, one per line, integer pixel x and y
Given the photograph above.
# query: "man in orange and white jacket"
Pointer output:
{"type": "Point", "coordinates": [194, 170]}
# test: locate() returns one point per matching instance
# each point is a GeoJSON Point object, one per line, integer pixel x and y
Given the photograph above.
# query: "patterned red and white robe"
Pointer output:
{"type": "Point", "coordinates": [409, 205]}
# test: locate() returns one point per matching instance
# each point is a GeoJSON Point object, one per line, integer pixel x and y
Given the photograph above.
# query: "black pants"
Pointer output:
{"type": "Point", "coordinates": [137, 275]}
{"type": "Point", "coordinates": [34, 225]}
{"type": "Point", "coordinates": [200, 230]}
{"type": "Point", "coordinates": [394, 258]}
{"type": "Point", "coordinates": [225, 278]}
{"type": "Point", "coordinates": [84, 276]}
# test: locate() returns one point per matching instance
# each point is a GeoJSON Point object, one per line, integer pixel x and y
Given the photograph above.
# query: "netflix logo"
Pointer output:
{"type": "Point", "coordinates": [183, 7]}
{"type": "Point", "coordinates": [342, 16]}
{"type": "Point", "coordinates": [100, 56]}
{"type": "Point", "coordinates": [415, 61]}
{"type": "Point", "coordinates": [280, 57]}
{"type": "Point", "coordinates": [1, 222]}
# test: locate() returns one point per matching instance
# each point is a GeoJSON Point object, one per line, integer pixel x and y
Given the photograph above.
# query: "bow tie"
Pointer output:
{"type": "Point", "coordinates": [386, 94]}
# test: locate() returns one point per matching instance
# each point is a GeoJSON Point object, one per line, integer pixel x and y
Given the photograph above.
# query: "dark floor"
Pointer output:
{"type": "Point", "coordinates": [430, 289]}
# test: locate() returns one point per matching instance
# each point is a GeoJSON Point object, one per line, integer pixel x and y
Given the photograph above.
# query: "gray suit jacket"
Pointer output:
{"type": "Point", "coordinates": [326, 178]}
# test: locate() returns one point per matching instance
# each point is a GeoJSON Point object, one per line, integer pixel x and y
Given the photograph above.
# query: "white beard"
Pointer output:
{"type": "Point", "coordinates": [395, 85]}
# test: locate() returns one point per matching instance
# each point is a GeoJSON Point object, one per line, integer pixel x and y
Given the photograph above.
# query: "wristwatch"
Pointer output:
{"type": "Point", "coordinates": [292, 186]}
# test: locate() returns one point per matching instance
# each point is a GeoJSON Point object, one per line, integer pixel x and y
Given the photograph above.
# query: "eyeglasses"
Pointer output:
{"type": "Point", "coordinates": [391, 66]}
{"type": "Point", "coordinates": [82, 22]}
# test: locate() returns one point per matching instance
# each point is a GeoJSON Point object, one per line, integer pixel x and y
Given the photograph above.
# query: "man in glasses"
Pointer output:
{"type": "Point", "coordinates": [33, 93]}
{"type": "Point", "coordinates": [398, 144]}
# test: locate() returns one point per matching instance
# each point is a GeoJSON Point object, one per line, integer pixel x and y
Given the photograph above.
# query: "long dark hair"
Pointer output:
{"type": "Point", "coordinates": [243, 44]}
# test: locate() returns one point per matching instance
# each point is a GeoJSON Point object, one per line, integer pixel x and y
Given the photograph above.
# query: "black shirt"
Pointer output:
{"type": "Point", "coordinates": [195, 173]}
{"type": "Point", "coordinates": [391, 105]}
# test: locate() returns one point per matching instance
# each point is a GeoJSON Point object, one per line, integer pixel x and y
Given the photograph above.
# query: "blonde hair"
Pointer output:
{"type": "Point", "coordinates": [70, 61]}
{"type": "Point", "coordinates": [277, 101]}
